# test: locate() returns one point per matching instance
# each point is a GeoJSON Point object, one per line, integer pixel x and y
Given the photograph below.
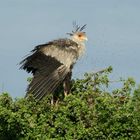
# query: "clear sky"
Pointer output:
{"type": "Point", "coordinates": [113, 29]}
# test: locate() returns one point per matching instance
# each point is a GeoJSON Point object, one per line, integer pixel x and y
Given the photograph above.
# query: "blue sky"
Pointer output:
{"type": "Point", "coordinates": [113, 30]}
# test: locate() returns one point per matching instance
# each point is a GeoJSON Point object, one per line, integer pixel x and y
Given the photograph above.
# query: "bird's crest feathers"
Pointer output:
{"type": "Point", "coordinates": [77, 28]}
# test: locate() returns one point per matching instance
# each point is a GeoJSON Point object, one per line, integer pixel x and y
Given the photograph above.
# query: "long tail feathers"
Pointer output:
{"type": "Point", "coordinates": [43, 85]}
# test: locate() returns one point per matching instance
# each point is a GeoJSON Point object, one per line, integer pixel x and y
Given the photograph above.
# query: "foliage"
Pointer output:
{"type": "Point", "coordinates": [91, 111]}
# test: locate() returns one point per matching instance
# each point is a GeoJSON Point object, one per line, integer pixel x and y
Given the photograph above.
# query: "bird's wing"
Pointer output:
{"type": "Point", "coordinates": [48, 74]}
{"type": "Point", "coordinates": [44, 83]}
{"type": "Point", "coordinates": [63, 50]}
{"type": "Point", "coordinates": [50, 63]}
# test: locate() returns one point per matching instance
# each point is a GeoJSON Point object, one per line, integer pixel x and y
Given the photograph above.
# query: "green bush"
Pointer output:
{"type": "Point", "coordinates": [91, 111]}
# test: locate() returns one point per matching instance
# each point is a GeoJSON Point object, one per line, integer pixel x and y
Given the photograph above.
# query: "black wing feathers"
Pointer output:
{"type": "Point", "coordinates": [43, 85]}
{"type": "Point", "coordinates": [39, 61]}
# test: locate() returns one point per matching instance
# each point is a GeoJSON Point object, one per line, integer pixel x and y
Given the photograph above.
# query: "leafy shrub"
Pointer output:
{"type": "Point", "coordinates": [91, 111]}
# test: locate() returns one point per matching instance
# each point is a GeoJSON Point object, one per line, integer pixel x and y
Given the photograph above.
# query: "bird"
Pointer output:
{"type": "Point", "coordinates": [51, 63]}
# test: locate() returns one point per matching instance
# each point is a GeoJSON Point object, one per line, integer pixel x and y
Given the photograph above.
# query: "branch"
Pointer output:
{"type": "Point", "coordinates": [109, 69]}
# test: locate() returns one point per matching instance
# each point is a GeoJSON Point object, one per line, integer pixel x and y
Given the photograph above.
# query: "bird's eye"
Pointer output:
{"type": "Point", "coordinates": [79, 35]}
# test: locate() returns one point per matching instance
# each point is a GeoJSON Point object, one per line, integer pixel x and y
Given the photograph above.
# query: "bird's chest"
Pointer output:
{"type": "Point", "coordinates": [72, 56]}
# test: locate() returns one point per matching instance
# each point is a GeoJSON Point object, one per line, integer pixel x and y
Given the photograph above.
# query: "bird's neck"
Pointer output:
{"type": "Point", "coordinates": [78, 42]}
{"type": "Point", "coordinates": [81, 49]}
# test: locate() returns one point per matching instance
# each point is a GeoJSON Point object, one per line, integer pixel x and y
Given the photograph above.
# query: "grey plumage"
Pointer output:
{"type": "Point", "coordinates": [51, 63]}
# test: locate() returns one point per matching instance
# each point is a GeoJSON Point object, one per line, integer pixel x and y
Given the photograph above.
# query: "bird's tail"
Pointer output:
{"type": "Point", "coordinates": [42, 85]}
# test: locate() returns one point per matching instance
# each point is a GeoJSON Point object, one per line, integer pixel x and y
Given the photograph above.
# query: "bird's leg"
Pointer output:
{"type": "Point", "coordinates": [52, 101]}
{"type": "Point", "coordinates": [66, 84]}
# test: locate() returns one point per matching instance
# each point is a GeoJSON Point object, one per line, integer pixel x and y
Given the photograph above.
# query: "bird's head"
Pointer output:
{"type": "Point", "coordinates": [77, 34]}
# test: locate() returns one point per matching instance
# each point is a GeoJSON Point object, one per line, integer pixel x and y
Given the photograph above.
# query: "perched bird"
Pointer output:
{"type": "Point", "coordinates": [51, 63]}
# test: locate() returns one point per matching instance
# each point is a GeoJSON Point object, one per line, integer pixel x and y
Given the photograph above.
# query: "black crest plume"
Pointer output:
{"type": "Point", "coordinates": [77, 28]}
